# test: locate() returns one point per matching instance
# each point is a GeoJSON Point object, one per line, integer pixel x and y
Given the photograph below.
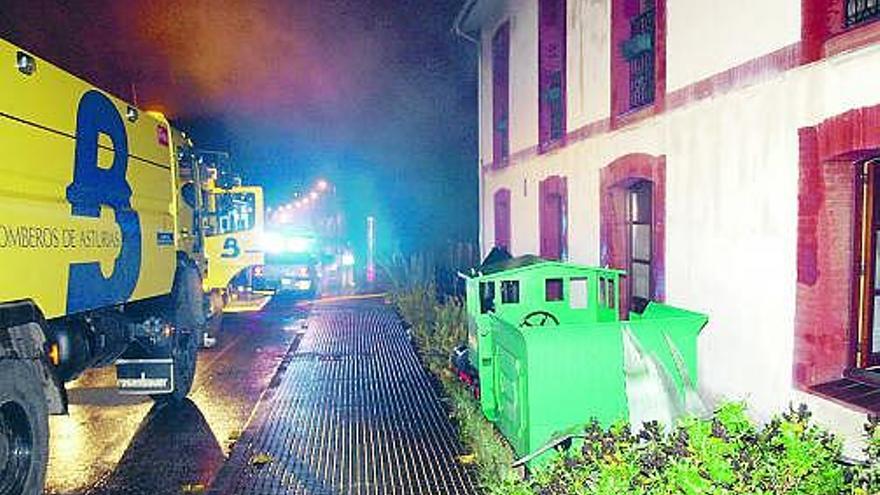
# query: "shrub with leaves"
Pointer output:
{"type": "Point", "coordinates": [724, 454]}
{"type": "Point", "coordinates": [866, 476]}
{"type": "Point", "coordinates": [439, 324]}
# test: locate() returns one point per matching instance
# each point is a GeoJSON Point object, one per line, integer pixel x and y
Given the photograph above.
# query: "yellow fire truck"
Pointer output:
{"type": "Point", "coordinates": [112, 251]}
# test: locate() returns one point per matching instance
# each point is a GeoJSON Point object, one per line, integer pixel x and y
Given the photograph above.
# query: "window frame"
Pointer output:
{"type": "Point", "coordinates": [501, 96]}
{"type": "Point", "coordinates": [552, 73]}
{"type": "Point", "coordinates": [553, 246]}
{"type": "Point", "coordinates": [503, 218]}
{"type": "Point", "coordinates": [627, 46]}
{"type": "Point", "coordinates": [644, 187]}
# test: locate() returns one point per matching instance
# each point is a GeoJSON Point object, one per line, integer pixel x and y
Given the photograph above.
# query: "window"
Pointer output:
{"type": "Point", "coordinates": [639, 53]}
{"type": "Point", "coordinates": [859, 11]}
{"type": "Point", "coordinates": [579, 298]}
{"type": "Point", "coordinates": [509, 292]}
{"type": "Point", "coordinates": [487, 297]}
{"type": "Point", "coordinates": [551, 70]}
{"type": "Point", "coordinates": [640, 239]}
{"type": "Point", "coordinates": [233, 212]}
{"type": "Point", "coordinates": [638, 61]}
{"type": "Point", "coordinates": [607, 297]}
{"type": "Point", "coordinates": [829, 27]}
{"type": "Point", "coordinates": [836, 332]}
{"type": "Point", "coordinates": [553, 290]}
{"type": "Point", "coordinates": [501, 95]}
{"type": "Point", "coordinates": [553, 199]}
{"type": "Point", "coordinates": [632, 228]}
{"type": "Point", "coordinates": [502, 218]}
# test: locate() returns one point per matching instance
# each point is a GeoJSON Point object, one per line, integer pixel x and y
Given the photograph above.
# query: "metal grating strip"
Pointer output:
{"type": "Point", "coordinates": [354, 413]}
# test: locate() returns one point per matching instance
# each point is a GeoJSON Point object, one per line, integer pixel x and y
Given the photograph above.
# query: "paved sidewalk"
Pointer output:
{"type": "Point", "coordinates": [353, 413]}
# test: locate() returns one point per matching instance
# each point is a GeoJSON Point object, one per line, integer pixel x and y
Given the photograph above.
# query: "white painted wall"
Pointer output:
{"type": "Point", "coordinates": [588, 80]}
{"type": "Point", "coordinates": [705, 37]}
{"type": "Point", "coordinates": [731, 209]}
{"type": "Point", "coordinates": [523, 74]}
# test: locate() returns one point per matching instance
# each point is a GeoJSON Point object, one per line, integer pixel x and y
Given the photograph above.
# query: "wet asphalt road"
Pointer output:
{"type": "Point", "coordinates": [111, 443]}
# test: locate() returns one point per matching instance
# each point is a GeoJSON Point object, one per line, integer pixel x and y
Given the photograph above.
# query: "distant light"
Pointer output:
{"type": "Point", "coordinates": [347, 259]}
{"type": "Point", "coordinates": [322, 185]}
{"type": "Point", "coordinates": [268, 209]}
{"type": "Point", "coordinates": [305, 201]}
{"type": "Point", "coordinates": [299, 244]}
{"type": "Point", "coordinates": [273, 242]}
{"type": "Point", "coordinates": [313, 195]}
{"type": "Point", "coordinates": [298, 204]}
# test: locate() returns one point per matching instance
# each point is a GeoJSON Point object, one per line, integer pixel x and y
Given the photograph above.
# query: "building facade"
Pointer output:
{"type": "Point", "coordinates": [722, 153]}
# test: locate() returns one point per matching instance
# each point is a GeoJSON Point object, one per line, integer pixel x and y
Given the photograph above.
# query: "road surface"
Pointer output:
{"type": "Point", "coordinates": [111, 443]}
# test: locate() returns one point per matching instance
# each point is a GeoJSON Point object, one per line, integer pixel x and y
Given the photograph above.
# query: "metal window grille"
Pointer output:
{"type": "Point", "coordinates": [641, 62]}
{"type": "Point", "coordinates": [859, 11]}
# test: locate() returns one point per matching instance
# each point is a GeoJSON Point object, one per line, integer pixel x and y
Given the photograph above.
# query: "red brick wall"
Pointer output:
{"type": "Point", "coordinates": [827, 242]}
{"type": "Point", "coordinates": [615, 179]}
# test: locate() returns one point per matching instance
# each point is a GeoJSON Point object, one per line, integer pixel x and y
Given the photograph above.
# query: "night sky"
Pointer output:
{"type": "Point", "coordinates": [377, 96]}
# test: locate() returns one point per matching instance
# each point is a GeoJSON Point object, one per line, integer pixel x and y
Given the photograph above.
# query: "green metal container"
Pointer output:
{"type": "Point", "coordinates": [553, 354]}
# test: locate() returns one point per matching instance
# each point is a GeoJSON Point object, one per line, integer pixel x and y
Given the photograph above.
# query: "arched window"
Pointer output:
{"type": "Point", "coordinates": [633, 215]}
{"type": "Point", "coordinates": [502, 218]}
{"type": "Point", "coordinates": [553, 216]}
{"type": "Point", "coordinates": [501, 96]}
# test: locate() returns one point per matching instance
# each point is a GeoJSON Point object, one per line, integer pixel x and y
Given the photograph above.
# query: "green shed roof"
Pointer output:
{"type": "Point", "coordinates": [529, 262]}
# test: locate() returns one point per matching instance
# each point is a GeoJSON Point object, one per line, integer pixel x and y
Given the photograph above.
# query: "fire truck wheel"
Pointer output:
{"type": "Point", "coordinates": [184, 356]}
{"type": "Point", "coordinates": [188, 318]}
{"type": "Point", "coordinates": [24, 430]}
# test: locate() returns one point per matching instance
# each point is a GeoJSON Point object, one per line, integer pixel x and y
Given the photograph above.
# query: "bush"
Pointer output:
{"type": "Point", "coordinates": [724, 454]}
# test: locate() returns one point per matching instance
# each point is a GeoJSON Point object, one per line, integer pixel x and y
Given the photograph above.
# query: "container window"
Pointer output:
{"type": "Point", "coordinates": [602, 292]}
{"type": "Point", "coordinates": [487, 297]}
{"type": "Point", "coordinates": [610, 300]}
{"type": "Point", "coordinates": [553, 289]}
{"type": "Point", "coordinates": [509, 291]}
{"type": "Point", "coordinates": [579, 293]}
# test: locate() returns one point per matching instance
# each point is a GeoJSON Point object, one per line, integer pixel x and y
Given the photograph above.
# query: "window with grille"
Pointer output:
{"type": "Point", "coordinates": [551, 62]}
{"type": "Point", "coordinates": [639, 53]}
{"type": "Point", "coordinates": [859, 11]}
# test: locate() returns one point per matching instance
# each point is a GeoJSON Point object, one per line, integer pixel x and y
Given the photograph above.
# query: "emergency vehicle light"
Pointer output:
{"type": "Point", "coordinates": [26, 63]}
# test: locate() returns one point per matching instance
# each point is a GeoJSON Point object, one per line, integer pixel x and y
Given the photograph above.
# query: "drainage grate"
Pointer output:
{"type": "Point", "coordinates": [354, 413]}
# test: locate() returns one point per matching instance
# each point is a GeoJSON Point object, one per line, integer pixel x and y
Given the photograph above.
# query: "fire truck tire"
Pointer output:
{"type": "Point", "coordinates": [188, 319]}
{"type": "Point", "coordinates": [24, 429]}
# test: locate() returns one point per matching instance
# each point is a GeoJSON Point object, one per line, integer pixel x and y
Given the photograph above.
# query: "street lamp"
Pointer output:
{"type": "Point", "coordinates": [313, 195]}
{"type": "Point", "coordinates": [322, 185]}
